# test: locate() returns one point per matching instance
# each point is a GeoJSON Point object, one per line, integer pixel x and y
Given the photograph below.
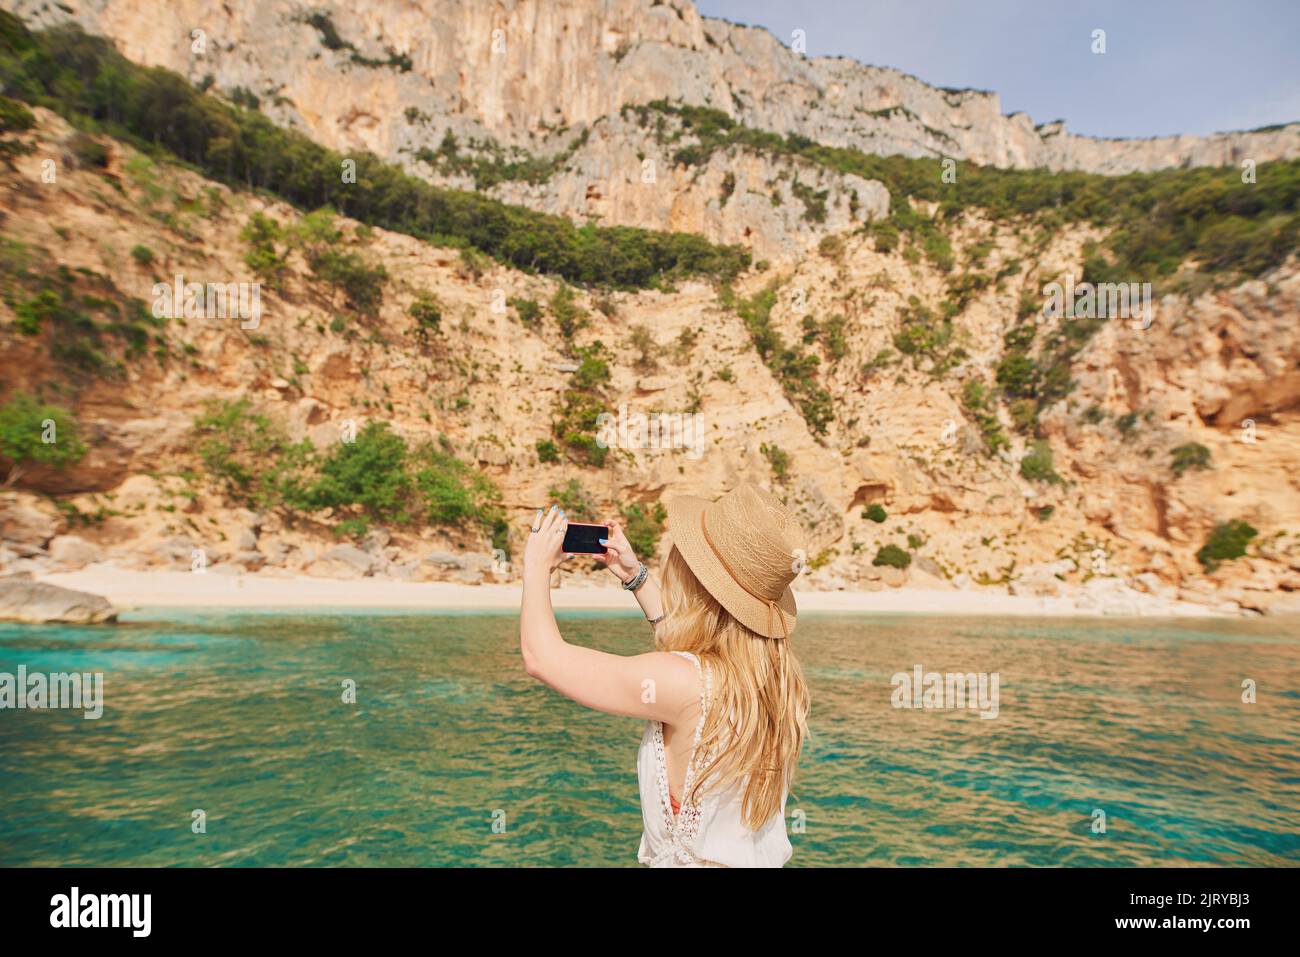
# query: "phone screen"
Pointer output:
{"type": "Point", "coordinates": [585, 539]}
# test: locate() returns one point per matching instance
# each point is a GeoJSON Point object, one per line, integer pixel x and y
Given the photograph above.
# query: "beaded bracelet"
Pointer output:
{"type": "Point", "coordinates": [638, 579]}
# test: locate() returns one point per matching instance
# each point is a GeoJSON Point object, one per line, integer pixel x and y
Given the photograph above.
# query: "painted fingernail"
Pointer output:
{"type": "Point", "coordinates": [603, 541]}
{"type": "Point", "coordinates": [561, 513]}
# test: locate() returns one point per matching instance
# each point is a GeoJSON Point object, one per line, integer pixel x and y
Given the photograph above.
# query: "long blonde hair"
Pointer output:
{"type": "Point", "coordinates": [758, 714]}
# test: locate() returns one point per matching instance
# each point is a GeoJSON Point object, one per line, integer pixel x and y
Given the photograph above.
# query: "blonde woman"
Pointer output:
{"type": "Point", "coordinates": [723, 694]}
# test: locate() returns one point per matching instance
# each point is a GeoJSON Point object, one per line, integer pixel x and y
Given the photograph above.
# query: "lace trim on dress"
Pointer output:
{"type": "Point", "coordinates": [683, 829]}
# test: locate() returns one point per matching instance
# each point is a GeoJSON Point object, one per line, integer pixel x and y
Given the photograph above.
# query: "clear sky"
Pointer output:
{"type": "Point", "coordinates": [1171, 66]}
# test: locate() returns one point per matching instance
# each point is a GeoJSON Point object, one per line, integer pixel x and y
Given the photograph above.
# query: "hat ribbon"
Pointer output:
{"type": "Point", "coordinates": [772, 608]}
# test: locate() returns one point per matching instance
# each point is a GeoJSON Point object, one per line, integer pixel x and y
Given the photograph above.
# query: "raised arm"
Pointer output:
{"type": "Point", "coordinates": [656, 685]}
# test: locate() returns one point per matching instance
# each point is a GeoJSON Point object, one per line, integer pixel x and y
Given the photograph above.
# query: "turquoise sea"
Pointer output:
{"type": "Point", "coordinates": [451, 755]}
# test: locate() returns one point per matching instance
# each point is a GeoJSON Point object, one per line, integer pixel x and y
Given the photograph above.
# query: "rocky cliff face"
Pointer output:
{"type": "Point", "coordinates": [1117, 523]}
{"type": "Point", "coordinates": [546, 81]}
{"type": "Point", "coordinates": [391, 76]}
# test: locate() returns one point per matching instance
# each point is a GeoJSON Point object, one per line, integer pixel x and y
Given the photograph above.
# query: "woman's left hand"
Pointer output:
{"type": "Point", "coordinates": [618, 556]}
{"type": "Point", "coordinates": [545, 549]}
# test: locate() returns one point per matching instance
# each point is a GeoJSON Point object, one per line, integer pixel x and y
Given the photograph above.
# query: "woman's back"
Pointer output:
{"type": "Point", "coordinates": [712, 832]}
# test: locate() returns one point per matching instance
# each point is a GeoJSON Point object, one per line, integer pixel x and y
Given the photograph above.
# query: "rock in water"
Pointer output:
{"type": "Point", "coordinates": [37, 603]}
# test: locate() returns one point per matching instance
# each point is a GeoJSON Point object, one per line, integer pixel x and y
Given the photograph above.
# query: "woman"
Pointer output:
{"type": "Point", "coordinates": [724, 695]}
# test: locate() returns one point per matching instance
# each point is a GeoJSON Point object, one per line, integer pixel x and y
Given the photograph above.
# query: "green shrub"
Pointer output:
{"type": "Point", "coordinates": [1227, 541]}
{"type": "Point", "coordinates": [727, 188]}
{"type": "Point", "coordinates": [14, 117]}
{"type": "Point", "coordinates": [643, 526]}
{"type": "Point", "coordinates": [1037, 463]}
{"type": "Point", "coordinates": [1018, 375]}
{"type": "Point", "coordinates": [832, 247]}
{"type": "Point", "coordinates": [143, 255]}
{"type": "Point", "coordinates": [881, 360]}
{"type": "Point", "coordinates": [262, 233]}
{"type": "Point", "coordinates": [885, 234]}
{"type": "Point", "coordinates": [453, 492]}
{"type": "Point", "coordinates": [529, 312]}
{"type": "Point", "coordinates": [31, 314]}
{"type": "Point", "coordinates": [369, 473]}
{"type": "Point", "coordinates": [1024, 415]}
{"type": "Point", "coordinates": [88, 150]}
{"type": "Point", "coordinates": [35, 434]}
{"type": "Point", "coordinates": [892, 556]}
{"type": "Point", "coordinates": [777, 458]}
{"type": "Point", "coordinates": [923, 335]}
{"type": "Point", "coordinates": [248, 455]}
{"type": "Point", "coordinates": [978, 402]}
{"type": "Point", "coordinates": [569, 316]}
{"type": "Point", "coordinates": [875, 512]}
{"type": "Point", "coordinates": [361, 282]}
{"type": "Point", "coordinates": [642, 341]}
{"type": "Point", "coordinates": [830, 333]}
{"type": "Point", "coordinates": [574, 500]}
{"type": "Point", "coordinates": [814, 201]}
{"type": "Point", "coordinates": [547, 451]}
{"type": "Point", "coordinates": [1189, 455]}
{"type": "Point", "coordinates": [580, 405]}
{"type": "Point", "coordinates": [426, 310]}
{"type": "Point", "coordinates": [593, 367]}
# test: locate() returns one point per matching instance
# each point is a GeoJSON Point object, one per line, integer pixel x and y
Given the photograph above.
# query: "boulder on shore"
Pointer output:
{"type": "Point", "coordinates": [38, 603]}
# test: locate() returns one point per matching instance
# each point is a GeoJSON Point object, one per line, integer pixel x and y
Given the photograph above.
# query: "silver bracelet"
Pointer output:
{"type": "Point", "coordinates": [638, 579]}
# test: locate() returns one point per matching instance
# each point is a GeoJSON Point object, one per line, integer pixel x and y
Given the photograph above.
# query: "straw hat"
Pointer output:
{"type": "Point", "coordinates": [743, 549]}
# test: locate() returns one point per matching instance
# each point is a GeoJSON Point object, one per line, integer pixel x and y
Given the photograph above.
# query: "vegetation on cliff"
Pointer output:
{"type": "Point", "coordinates": [794, 367]}
{"type": "Point", "coordinates": [1157, 220]}
{"type": "Point", "coordinates": [77, 314]}
{"type": "Point", "coordinates": [34, 433]}
{"type": "Point", "coordinates": [85, 79]}
{"type": "Point", "coordinates": [374, 477]}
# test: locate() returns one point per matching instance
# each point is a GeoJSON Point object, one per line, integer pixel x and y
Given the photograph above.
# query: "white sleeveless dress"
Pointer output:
{"type": "Point", "coordinates": [712, 833]}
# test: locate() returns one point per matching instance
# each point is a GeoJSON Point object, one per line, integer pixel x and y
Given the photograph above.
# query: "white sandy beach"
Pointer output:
{"type": "Point", "coordinates": [155, 589]}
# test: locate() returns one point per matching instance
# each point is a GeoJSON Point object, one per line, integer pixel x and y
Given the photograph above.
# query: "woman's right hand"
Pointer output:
{"type": "Point", "coordinates": [619, 557]}
{"type": "Point", "coordinates": [545, 549]}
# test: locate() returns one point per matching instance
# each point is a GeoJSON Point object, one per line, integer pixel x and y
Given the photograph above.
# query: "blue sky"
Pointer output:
{"type": "Point", "coordinates": [1171, 66]}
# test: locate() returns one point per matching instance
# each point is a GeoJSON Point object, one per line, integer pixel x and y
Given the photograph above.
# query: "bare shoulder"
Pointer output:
{"type": "Point", "coordinates": [676, 684]}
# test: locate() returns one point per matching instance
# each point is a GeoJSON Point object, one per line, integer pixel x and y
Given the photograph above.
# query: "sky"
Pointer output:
{"type": "Point", "coordinates": [1170, 66]}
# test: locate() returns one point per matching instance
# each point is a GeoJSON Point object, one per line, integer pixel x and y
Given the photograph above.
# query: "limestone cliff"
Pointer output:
{"type": "Point", "coordinates": [901, 437]}
{"type": "Point", "coordinates": [517, 69]}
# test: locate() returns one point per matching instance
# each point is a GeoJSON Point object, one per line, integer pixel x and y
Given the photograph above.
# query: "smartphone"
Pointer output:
{"type": "Point", "coordinates": [583, 539]}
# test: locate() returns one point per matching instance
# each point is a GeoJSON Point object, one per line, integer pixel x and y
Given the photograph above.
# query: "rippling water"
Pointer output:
{"type": "Point", "coordinates": [240, 714]}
